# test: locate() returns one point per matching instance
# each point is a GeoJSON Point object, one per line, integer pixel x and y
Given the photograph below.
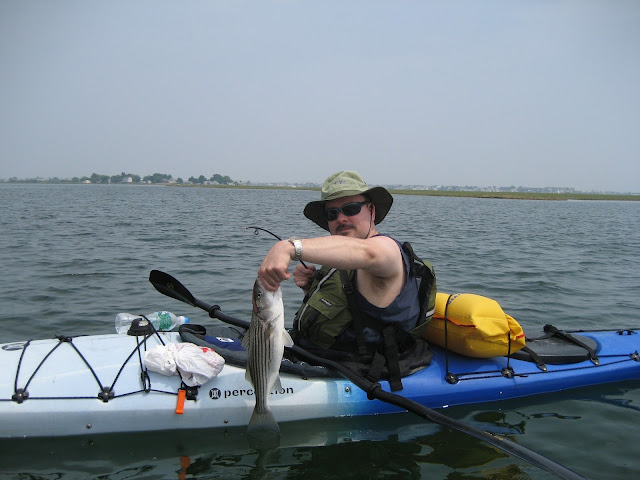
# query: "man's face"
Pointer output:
{"type": "Point", "coordinates": [358, 225]}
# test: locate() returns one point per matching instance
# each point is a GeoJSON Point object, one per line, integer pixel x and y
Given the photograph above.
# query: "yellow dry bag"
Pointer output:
{"type": "Point", "coordinates": [476, 326]}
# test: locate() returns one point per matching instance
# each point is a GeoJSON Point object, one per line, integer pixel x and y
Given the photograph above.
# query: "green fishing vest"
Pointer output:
{"type": "Point", "coordinates": [325, 314]}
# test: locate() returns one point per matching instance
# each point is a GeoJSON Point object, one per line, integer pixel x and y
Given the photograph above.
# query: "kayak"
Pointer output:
{"type": "Point", "coordinates": [97, 384]}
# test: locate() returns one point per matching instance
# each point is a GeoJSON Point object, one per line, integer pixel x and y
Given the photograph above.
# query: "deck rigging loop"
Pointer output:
{"type": "Point", "coordinates": [626, 331]}
{"type": "Point", "coordinates": [452, 378]}
{"type": "Point", "coordinates": [106, 394]}
{"type": "Point", "coordinates": [145, 380]}
{"type": "Point", "coordinates": [507, 372]}
{"type": "Point", "coordinates": [20, 396]}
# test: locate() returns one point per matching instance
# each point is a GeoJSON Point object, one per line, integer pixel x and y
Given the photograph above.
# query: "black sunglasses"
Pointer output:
{"type": "Point", "coordinates": [348, 210]}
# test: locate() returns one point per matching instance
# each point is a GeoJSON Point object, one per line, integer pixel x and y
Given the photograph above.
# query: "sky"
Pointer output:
{"type": "Point", "coordinates": [436, 92]}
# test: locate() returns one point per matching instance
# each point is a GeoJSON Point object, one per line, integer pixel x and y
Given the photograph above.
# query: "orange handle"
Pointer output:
{"type": "Point", "coordinates": [185, 463]}
{"type": "Point", "coordinates": [182, 395]}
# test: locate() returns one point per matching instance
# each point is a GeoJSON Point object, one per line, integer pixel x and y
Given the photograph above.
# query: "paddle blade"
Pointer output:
{"type": "Point", "coordinates": [169, 286]}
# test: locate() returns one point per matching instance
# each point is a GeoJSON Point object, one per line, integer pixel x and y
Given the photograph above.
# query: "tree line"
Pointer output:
{"type": "Point", "coordinates": [131, 178]}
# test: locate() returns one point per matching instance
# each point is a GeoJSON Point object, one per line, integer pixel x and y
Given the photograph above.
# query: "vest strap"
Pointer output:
{"type": "Point", "coordinates": [390, 358]}
{"type": "Point", "coordinates": [358, 327]}
{"type": "Point", "coordinates": [375, 370]}
{"type": "Point", "coordinates": [393, 363]}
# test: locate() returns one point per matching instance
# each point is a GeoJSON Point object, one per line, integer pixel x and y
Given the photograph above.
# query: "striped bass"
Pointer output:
{"type": "Point", "coordinates": [264, 342]}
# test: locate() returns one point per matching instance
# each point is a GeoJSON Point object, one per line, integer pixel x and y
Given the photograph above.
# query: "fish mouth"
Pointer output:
{"type": "Point", "coordinates": [257, 291]}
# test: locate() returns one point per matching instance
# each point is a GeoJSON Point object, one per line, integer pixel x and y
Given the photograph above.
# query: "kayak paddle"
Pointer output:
{"type": "Point", "coordinates": [169, 286]}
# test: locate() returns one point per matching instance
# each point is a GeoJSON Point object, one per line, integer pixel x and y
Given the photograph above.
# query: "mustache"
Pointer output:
{"type": "Point", "coordinates": [344, 227]}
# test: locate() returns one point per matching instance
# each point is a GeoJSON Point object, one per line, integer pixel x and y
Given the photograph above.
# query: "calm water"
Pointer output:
{"type": "Point", "coordinates": [73, 256]}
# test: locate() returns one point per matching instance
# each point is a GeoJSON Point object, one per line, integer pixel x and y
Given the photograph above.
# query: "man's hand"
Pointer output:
{"type": "Point", "coordinates": [274, 267]}
{"type": "Point", "coordinates": [304, 275]}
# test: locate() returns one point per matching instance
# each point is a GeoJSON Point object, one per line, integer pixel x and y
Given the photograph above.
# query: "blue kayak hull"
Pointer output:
{"type": "Point", "coordinates": [482, 380]}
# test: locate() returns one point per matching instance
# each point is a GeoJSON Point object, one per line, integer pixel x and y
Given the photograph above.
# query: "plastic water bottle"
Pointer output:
{"type": "Point", "coordinates": [162, 321]}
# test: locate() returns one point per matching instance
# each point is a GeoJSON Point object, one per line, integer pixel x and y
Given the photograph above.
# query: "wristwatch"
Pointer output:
{"type": "Point", "coordinates": [297, 244]}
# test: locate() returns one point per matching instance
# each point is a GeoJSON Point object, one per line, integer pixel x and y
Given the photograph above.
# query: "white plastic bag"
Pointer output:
{"type": "Point", "coordinates": [159, 359]}
{"type": "Point", "coordinates": [197, 365]}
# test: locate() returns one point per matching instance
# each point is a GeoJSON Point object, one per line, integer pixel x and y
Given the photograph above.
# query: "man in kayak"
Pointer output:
{"type": "Point", "coordinates": [367, 282]}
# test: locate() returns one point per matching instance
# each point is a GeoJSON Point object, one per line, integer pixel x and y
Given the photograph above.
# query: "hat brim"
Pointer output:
{"type": "Point", "coordinates": [379, 196]}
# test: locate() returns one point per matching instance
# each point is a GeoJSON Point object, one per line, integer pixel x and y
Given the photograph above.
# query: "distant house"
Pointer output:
{"type": "Point", "coordinates": [127, 180]}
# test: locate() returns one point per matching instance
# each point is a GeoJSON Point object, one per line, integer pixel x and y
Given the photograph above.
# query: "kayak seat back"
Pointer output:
{"type": "Point", "coordinates": [556, 347]}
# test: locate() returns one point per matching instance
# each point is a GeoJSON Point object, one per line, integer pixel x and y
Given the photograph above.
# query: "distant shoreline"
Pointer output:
{"type": "Point", "coordinates": [451, 193]}
{"type": "Point", "coordinates": [620, 197]}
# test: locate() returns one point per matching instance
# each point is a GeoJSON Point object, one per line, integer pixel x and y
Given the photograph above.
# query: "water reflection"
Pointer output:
{"type": "Point", "coordinates": [387, 446]}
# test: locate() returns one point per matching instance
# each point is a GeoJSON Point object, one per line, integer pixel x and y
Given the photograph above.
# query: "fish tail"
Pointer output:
{"type": "Point", "coordinates": [263, 421]}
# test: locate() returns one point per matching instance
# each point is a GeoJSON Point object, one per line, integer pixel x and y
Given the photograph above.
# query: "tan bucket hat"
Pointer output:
{"type": "Point", "coordinates": [347, 184]}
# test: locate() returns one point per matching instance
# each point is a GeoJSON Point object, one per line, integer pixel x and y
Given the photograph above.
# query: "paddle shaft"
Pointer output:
{"type": "Point", "coordinates": [169, 286]}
